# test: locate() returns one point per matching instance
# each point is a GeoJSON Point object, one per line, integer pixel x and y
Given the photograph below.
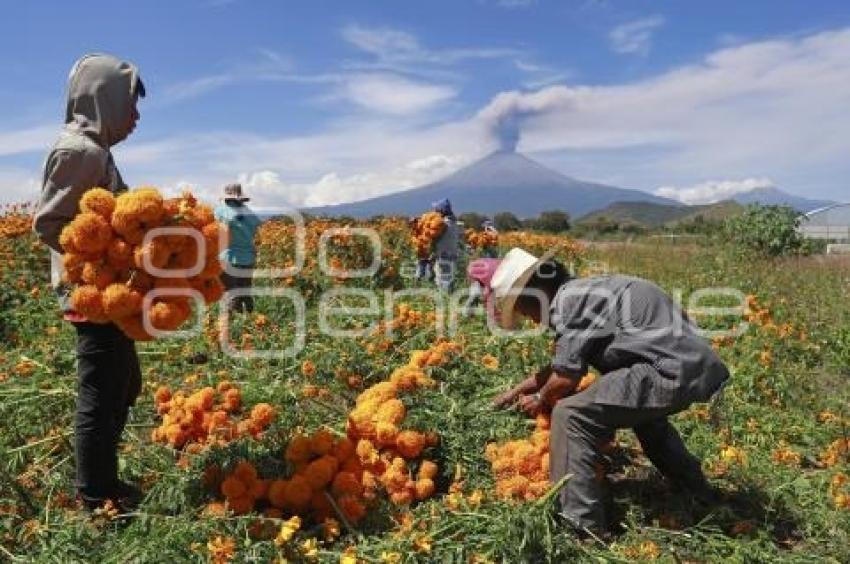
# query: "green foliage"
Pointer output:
{"type": "Point", "coordinates": [552, 221]}
{"type": "Point", "coordinates": [472, 220]}
{"type": "Point", "coordinates": [506, 221]}
{"type": "Point", "coordinates": [766, 230]}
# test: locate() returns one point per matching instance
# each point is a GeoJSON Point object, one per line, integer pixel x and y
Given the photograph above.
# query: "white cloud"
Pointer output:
{"type": "Point", "coordinates": [391, 45]}
{"type": "Point", "coordinates": [712, 191]}
{"type": "Point", "coordinates": [635, 36]}
{"type": "Point", "coordinates": [393, 94]}
{"type": "Point", "coordinates": [28, 140]}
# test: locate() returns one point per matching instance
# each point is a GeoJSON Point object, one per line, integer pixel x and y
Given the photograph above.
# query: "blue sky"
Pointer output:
{"type": "Point", "coordinates": [318, 102]}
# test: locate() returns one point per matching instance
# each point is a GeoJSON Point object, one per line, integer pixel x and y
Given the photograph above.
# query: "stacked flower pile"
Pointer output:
{"type": "Point", "coordinates": [429, 227]}
{"type": "Point", "coordinates": [207, 416]}
{"type": "Point", "coordinates": [383, 447]}
{"type": "Point", "coordinates": [521, 467]}
{"type": "Point", "coordinates": [482, 239]}
{"type": "Point", "coordinates": [107, 261]}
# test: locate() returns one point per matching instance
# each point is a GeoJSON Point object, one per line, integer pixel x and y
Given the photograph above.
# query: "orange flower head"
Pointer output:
{"type": "Point", "coordinates": [98, 274]}
{"type": "Point", "coordinates": [321, 442]}
{"type": "Point", "coordinates": [352, 508]}
{"type": "Point", "coordinates": [298, 449]}
{"type": "Point", "coordinates": [98, 201]}
{"type": "Point", "coordinates": [387, 433]}
{"type": "Point", "coordinates": [119, 301]}
{"type": "Point", "coordinates": [91, 233]}
{"type": "Point", "coordinates": [344, 449]}
{"type": "Point", "coordinates": [410, 444]}
{"type": "Point", "coordinates": [211, 289]}
{"type": "Point", "coordinates": [346, 483]}
{"type": "Point", "coordinates": [428, 469]}
{"type": "Point", "coordinates": [320, 472]}
{"type": "Point", "coordinates": [241, 505]}
{"type": "Point", "coordinates": [391, 411]}
{"type": "Point", "coordinates": [119, 254]}
{"type": "Point", "coordinates": [73, 265]}
{"type": "Point", "coordinates": [263, 414]}
{"type": "Point", "coordinates": [298, 493]}
{"type": "Point", "coordinates": [245, 471]}
{"type": "Point", "coordinates": [88, 301]}
{"type": "Point", "coordinates": [277, 493]}
{"type": "Point", "coordinates": [233, 487]}
{"type": "Point", "coordinates": [424, 488]}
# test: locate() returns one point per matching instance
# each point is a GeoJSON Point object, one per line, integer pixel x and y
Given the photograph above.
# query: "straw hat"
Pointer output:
{"type": "Point", "coordinates": [509, 280]}
{"type": "Point", "coordinates": [234, 192]}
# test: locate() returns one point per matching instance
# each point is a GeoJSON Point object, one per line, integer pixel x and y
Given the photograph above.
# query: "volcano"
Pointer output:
{"type": "Point", "coordinates": [501, 181]}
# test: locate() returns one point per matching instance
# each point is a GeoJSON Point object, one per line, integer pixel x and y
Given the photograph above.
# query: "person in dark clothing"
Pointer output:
{"type": "Point", "coordinates": [653, 364]}
{"type": "Point", "coordinates": [101, 111]}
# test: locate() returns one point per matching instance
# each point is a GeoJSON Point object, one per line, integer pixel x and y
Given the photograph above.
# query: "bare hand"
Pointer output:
{"type": "Point", "coordinates": [531, 404]}
{"type": "Point", "coordinates": [507, 399]}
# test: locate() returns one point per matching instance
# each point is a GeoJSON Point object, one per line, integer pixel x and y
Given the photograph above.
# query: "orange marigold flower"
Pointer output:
{"type": "Point", "coordinates": [410, 443]}
{"type": "Point", "coordinates": [321, 471]}
{"type": "Point", "coordinates": [98, 274]}
{"type": "Point", "coordinates": [88, 301]}
{"type": "Point", "coordinates": [352, 508]}
{"type": "Point", "coordinates": [119, 254]}
{"type": "Point", "coordinates": [347, 483]}
{"type": "Point", "coordinates": [298, 449]}
{"type": "Point", "coordinates": [490, 362]}
{"type": "Point", "coordinates": [119, 301]}
{"type": "Point", "coordinates": [90, 233]}
{"type": "Point", "coordinates": [298, 493]}
{"type": "Point", "coordinates": [428, 469]}
{"type": "Point", "coordinates": [322, 442]}
{"type": "Point", "coordinates": [391, 411]}
{"type": "Point", "coordinates": [277, 493]}
{"type": "Point", "coordinates": [233, 487]}
{"type": "Point", "coordinates": [263, 414]}
{"type": "Point", "coordinates": [98, 201]}
{"type": "Point", "coordinates": [245, 471]}
{"type": "Point", "coordinates": [241, 505]}
{"type": "Point", "coordinates": [308, 369]}
{"type": "Point", "coordinates": [424, 488]}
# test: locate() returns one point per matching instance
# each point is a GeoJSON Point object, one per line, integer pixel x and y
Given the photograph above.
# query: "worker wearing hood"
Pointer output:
{"type": "Point", "coordinates": [100, 112]}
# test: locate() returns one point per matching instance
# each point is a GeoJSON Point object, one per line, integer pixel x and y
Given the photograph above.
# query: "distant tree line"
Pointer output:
{"type": "Point", "coordinates": [552, 221]}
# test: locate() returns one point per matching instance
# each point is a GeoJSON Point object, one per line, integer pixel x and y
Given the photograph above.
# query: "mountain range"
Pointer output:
{"type": "Point", "coordinates": [510, 181]}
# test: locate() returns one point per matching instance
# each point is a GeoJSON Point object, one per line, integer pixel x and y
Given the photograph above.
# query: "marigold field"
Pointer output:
{"type": "Point", "coordinates": [381, 446]}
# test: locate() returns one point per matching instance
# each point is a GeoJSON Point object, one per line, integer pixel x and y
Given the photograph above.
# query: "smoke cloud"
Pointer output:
{"type": "Point", "coordinates": [506, 114]}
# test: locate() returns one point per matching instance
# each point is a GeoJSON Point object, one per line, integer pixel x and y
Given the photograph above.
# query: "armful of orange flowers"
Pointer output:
{"type": "Point", "coordinates": [541, 391]}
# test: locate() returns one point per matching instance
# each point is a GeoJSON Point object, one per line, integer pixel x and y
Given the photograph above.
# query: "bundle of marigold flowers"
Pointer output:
{"type": "Point", "coordinates": [207, 416]}
{"type": "Point", "coordinates": [521, 467]}
{"type": "Point", "coordinates": [109, 262]}
{"type": "Point", "coordinates": [482, 239]}
{"type": "Point", "coordinates": [428, 228]}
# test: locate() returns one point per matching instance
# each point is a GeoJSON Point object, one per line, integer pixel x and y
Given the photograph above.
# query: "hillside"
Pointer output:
{"type": "Point", "coordinates": [501, 181]}
{"type": "Point", "coordinates": [650, 214]}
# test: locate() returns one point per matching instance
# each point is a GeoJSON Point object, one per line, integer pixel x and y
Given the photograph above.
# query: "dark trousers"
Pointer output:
{"type": "Point", "coordinates": [580, 426]}
{"type": "Point", "coordinates": [108, 382]}
{"type": "Point", "coordinates": [238, 303]}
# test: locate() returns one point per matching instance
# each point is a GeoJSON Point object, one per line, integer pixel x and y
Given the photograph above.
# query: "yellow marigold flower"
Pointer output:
{"type": "Point", "coordinates": [310, 548]}
{"type": "Point", "coordinates": [349, 556]}
{"type": "Point", "coordinates": [288, 530]}
{"type": "Point", "coordinates": [423, 544]}
{"type": "Point", "coordinates": [221, 549]}
{"type": "Point", "coordinates": [390, 557]}
{"type": "Point", "coordinates": [490, 362]}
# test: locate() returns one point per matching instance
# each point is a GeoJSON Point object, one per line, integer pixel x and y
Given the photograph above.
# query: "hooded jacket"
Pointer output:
{"type": "Point", "coordinates": [99, 113]}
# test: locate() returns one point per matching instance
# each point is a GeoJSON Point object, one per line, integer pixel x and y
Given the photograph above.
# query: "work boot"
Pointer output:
{"type": "Point", "coordinates": [128, 495]}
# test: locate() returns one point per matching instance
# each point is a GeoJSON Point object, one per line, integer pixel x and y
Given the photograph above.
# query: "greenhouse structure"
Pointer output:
{"type": "Point", "coordinates": [831, 223]}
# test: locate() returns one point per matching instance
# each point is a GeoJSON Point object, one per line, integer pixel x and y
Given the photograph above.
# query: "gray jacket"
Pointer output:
{"type": "Point", "coordinates": [99, 114]}
{"type": "Point", "coordinates": [648, 351]}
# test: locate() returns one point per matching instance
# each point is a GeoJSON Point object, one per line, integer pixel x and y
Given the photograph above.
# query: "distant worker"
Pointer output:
{"type": "Point", "coordinates": [446, 247]}
{"type": "Point", "coordinates": [423, 257]}
{"type": "Point", "coordinates": [489, 227]}
{"type": "Point", "coordinates": [242, 224]}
